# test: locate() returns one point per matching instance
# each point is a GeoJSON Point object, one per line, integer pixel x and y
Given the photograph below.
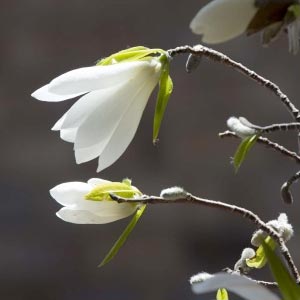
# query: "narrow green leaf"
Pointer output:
{"type": "Point", "coordinates": [222, 294]}
{"type": "Point", "coordinates": [260, 259]}
{"type": "Point", "coordinates": [123, 237]}
{"type": "Point", "coordinates": [243, 150]}
{"type": "Point", "coordinates": [164, 93]}
{"type": "Point", "coordinates": [287, 285]}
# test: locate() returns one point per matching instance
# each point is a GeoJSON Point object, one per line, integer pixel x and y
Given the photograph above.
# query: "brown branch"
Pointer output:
{"type": "Point", "coordinates": [189, 198]}
{"type": "Point", "coordinates": [269, 284]}
{"type": "Point", "coordinates": [219, 57]}
{"type": "Point", "coordinates": [266, 142]}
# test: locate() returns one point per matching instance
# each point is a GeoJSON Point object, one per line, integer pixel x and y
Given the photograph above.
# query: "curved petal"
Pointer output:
{"type": "Point", "coordinates": [68, 135]}
{"type": "Point", "coordinates": [236, 284]}
{"type": "Point", "coordinates": [78, 216]}
{"type": "Point", "coordinates": [58, 124]}
{"type": "Point", "coordinates": [82, 217]}
{"type": "Point", "coordinates": [96, 131]}
{"type": "Point", "coordinates": [70, 193]}
{"type": "Point", "coordinates": [96, 77]}
{"type": "Point", "coordinates": [126, 129]}
{"type": "Point", "coordinates": [44, 94]}
{"type": "Point", "coordinates": [222, 20]}
{"type": "Point", "coordinates": [87, 104]}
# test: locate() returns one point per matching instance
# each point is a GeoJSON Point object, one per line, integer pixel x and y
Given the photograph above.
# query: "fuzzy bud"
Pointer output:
{"type": "Point", "coordinates": [239, 128]}
{"type": "Point", "coordinates": [173, 193]}
{"type": "Point", "coordinates": [281, 226]}
{"type": "Point", "coordinates": [200, 277]}
{"type": "Point", "coordinates": [241, 265]}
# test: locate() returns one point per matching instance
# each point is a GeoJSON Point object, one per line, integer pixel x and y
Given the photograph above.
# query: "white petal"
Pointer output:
{"type": "Point", "coordinates": [93, 78]}
{"type": "Point", "coordinates": [97, 130]}
{"type": "Point", "coordinates": [70, 193]}
{"type": "Point", "coordinates": [97, 181]}
{"type": "Point", "coordinates": [222, 20]}
{"type": "Point", "coordinates": [58, 124]}
{"type": "Point", "coordinates": [82, 217]}
{"type": "Point", "coordinates": [126, 129]}
{"type": "Point", "coordinates": [78, 216]}
{"type": "Point", "coordinates": [86, 154]}
{"type": "Point", "coordinates": [235, 284]}
{"type": "Point", "coordinates": [44, 94]}
{"type": "Point", "coordinates": [87, 104]}
{"type": "Point", "coordinates": [107, 208]}
{"type": "Point", "coordinates": [68, 135]}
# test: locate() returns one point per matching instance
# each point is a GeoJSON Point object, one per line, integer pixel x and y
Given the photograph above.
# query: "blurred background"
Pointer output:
{"type": "Point", "coordinates": [45, 258]}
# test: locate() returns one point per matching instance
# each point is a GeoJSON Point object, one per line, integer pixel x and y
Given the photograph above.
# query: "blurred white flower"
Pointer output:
{"type": "Point", "coordinates": [222, 20]}
{"type": "Point", "coordinates": [89, 203]}
{"type": "Point", "coordinates": [103, 122]}
{"type": "Point", "coordinates": [239, 285]}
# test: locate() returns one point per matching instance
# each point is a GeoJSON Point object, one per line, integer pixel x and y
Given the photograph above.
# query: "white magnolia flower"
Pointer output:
{"type": "Point", "coordinates": [80, 210]}
{"type": "Point", "coordinates": [239, 285]}
{"type": "Point", "coordinates": [222, 20]}
{"type": "Point", "coordinates": [104, 120]}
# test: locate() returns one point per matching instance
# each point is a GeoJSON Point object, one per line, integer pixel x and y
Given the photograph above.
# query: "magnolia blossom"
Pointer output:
{"type": "Point", "coordinates": [239, 285]}
{"type": "Point", "coordinates": [222, 20]}
{"type": "Point", "coordinates": [77, 209]}
{"type": "Point", "coordinates": [104, 120]}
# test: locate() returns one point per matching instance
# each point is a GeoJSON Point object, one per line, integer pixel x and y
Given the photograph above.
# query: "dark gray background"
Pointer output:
{"type": "Point", "coordinates": [45, 258]}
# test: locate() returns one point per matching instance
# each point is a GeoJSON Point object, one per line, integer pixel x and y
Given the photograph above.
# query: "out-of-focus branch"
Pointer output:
{"type": "Point", "coordinates": [190, 199]}
{"type": "Point", "coordinates": [269, 284]}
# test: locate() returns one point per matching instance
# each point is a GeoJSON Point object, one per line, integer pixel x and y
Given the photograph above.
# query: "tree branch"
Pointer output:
{"type": "Point", "coordinates": [219, 57]}
{"type": "Point", "coordinates": [269, 144]}
{"type": "Point", "coordinates": [189, 198]}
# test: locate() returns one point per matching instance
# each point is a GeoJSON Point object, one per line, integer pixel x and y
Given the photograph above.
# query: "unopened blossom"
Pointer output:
{"type": "Point", "coordinates": [90, 203]}
{"type": "Point", "coordinates": [240, 128]}
{"type": "Point", "coordinates": [239, 285]}
{"type": "Point", "coordinates": [104, 120]}
{"type": "Point", "coordinates": [223, 20]}
{"type": "Point", "coordinates": [281, 225]}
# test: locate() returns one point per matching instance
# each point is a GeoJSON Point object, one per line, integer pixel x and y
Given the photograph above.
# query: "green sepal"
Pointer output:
{"type": "Point", "coordinates": [164, 93]}
{"type": "Point", "coordinates": [243, 150]}
{"type": "Point", "coordinates": [222, 294]}
{"type": "Point", "coordinates": [103, 191]}
{"type": "Point", "coordinates": [287, 285]}
{"type": "Point", "coordinates": [123, 237]}
{"type": "Point", "coordinates": [295, 10]}
{"type": "Point", "coordinates": [260, 258]}
{"type": "Point", "coordinates": [130, 54]}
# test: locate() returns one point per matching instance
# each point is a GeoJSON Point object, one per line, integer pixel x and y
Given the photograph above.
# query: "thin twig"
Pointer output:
{"type": "Point", "coordinates": [266, 142]}
{"type": "Point", "coordinates": [189, 198]}
{"type": "Point", "coordinates": [216, 56]}
{"type": "Point", "coordinates": [286, 194]}
{"type": "Point", "coordinates": [269, 284]}
{"type": "Point", "coordinates": [280, 127]}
